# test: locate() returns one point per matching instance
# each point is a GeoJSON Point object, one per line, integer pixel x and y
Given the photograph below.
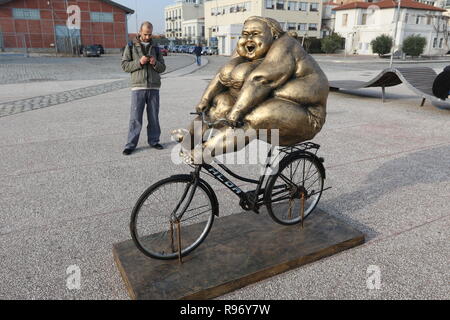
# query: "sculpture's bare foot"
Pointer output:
{"type": "Point", "coordinates": [194, 156]}
{"type": "Point", "coordinates": [179, 134]}
{"type": "Point", "coordinates": [187, 157]}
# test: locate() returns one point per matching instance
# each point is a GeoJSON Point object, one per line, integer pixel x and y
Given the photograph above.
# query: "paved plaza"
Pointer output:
{"type": "Point", "coordinates": [67, 190]}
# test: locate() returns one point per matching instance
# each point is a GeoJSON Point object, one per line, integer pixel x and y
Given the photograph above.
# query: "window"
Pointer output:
{"type": "Point", "coordinates": [447, 4]}
{"type": "Point", "coordinates": [428, 19]}
{"type": "Point", "coordinates": [418, 20]}
{"type": "Point", "coordinates": [301, 27]}
{"type": "Point", "coordinates": [312, 26]}
{"type": "Point", "coordinates": [29, 14]}
{"type": "Point", "coordinates": [344, 19]}
{"type": "Point", "coordinates": [314, 7]}
{"type": "Point", "coordinates": [291, 26]}
{"type": "Point", "coordinates": [434, 42]}
{"type": "Point", "coordinates": [102, 17]}
{"type": "Point", "coordinates": [280, 4]}
{"type": "Point", "coordinates": [283, 25]}
{"type": "Point", "coordinates": [303, 6]}
{"type": "Point", "coordinates": [269, 4]}
{"type": "Point", "coordinates": [292, 5]}
{"type": "Point", "coordinates": [364, 19]}
{"type": "Point", "coordinates": [406, 17]}
{"type": "Point", "coordinates": [441, 41]}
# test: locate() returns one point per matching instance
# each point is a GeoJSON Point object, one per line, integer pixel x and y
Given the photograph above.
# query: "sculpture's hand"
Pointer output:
{"type": "Point", "coordinates": [203, 106]}
{"type": "Point", "coordinates": [235, 117]}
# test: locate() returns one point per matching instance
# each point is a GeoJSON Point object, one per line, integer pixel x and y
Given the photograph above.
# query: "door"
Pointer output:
{"type": "Point", "coordinates": [68, 40]}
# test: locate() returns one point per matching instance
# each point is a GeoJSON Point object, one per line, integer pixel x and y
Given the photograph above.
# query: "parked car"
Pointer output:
{"type": "Point", "coordinates": [213, 50]}
{"type": "Point", "coordinates": [102, 50]}
{"type": "Point", "coordinates": [183, 49]}
{"type": "Point", "coordinates": [191, 49]}
{"type": "Point", "coordinates": [205, 50]}
{"type": "Point", "coordinates": [163, 50]}
{"type": "Point", "coordinates": [91, 51]}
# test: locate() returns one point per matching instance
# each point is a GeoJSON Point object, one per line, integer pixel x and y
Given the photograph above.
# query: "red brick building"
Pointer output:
{"type": "Point", "coordinates": [39, 25]}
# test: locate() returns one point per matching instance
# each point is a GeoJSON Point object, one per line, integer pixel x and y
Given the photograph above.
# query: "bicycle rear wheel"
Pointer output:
{"type": "Point", "coordinates": [155, 217]}
{"type": "Point", "coordinates": [298, 174]}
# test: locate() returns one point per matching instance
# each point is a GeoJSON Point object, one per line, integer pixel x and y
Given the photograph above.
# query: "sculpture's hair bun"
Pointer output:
{"type": "Point", "coordinates": [273, 24]}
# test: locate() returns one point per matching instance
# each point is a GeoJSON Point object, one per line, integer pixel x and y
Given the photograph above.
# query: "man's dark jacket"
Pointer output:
{"type": "Point", "coordinates": [441, 85]}
{"type": "Point", "coordinates": [198, 51]}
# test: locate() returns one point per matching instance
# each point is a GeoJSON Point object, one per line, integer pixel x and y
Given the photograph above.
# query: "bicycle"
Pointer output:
{"type": "Point", "coordinates": [189, 199]}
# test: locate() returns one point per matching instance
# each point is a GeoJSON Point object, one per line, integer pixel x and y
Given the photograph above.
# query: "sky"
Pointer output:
{"type": "Point", "coordinates": [151, 10]}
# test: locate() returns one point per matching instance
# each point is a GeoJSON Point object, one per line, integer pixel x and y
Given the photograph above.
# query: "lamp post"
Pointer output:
{"type": "Point", "coordinates": [395, 32]}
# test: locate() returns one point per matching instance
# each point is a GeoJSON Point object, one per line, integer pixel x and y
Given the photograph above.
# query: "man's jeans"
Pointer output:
{"type": "Point", "coordinates": [139, 98]}
{"type": "Point", "coordinates": [199, 60]}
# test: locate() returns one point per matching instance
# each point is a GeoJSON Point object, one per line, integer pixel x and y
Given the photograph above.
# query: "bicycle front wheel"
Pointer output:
{"type": "Point", "coordinates": [299, 175]}
{"type": "Point", "coordinates": [163, 218]}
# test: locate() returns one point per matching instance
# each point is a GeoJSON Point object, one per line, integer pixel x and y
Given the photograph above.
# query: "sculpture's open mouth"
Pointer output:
{"type": "Point", "coordinates": [250, 48]}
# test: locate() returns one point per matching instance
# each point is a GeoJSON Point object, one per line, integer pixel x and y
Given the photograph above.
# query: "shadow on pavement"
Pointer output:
{"type": "Point", "coordinates": [424, 167]}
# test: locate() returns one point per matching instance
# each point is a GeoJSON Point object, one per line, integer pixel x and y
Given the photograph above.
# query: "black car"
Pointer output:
{"type": "Point", "coordinates": [91, 51]}
{"type": "Point", "coordinates": [102, 50]}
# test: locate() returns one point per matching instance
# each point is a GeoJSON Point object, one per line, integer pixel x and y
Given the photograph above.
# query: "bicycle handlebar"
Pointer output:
{"type": "Point", "coordinates": [211, 124]}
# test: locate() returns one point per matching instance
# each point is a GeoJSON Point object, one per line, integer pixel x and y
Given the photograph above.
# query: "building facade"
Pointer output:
{"type": "Point", "coordinates": [194, 30]}
{"type": "Point", "coordinates": [361, 22]}
{"type": "Point", "coordinates": [328, 17]}
{"type": "Point", "coordinates": [224, 18]}
{"type": "Point", "coordinates": [46, 25]}
{"type": "Point", "coordinates": [185, 21]}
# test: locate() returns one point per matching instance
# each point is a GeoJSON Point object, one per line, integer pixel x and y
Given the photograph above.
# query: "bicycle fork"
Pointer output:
{"type": "Point", "coordinates": [176, 218]}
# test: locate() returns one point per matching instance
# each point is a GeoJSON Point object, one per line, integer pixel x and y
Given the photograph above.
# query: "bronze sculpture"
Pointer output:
{"type": "Point", "coordinates": [269, 83]}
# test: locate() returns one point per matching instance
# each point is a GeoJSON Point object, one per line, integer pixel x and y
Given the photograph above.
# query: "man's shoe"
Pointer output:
{"type": "Point", "coordinates": [157, 146]}
{"type": "Point", "coordinates": [127, 152]}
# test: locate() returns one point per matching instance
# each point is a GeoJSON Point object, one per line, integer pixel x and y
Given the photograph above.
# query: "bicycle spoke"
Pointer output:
{"type": "Point", "coordinates": [296, 167]}
{"type": "Point", "coordinates": [196, 215]}
{"type": "Point", "coordinates": [317, 179]}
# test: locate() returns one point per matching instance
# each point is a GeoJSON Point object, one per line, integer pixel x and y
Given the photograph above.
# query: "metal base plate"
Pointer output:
{"type": "Point", "coordinates": [240, 249]}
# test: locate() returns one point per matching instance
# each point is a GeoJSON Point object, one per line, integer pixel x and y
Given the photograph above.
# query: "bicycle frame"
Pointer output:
{"type": "Point", "coordinates": [249, 204]}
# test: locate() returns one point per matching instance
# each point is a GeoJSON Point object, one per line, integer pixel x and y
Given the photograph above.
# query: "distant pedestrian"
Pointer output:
{"type": "Point", "coordinates": [145, 63]}
{"type": "Point", "coordinates": [441, 85]}
{"type": "Point", "coordinates": [198, 53]}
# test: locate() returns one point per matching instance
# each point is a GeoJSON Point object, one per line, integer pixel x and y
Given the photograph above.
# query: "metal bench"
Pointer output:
{"type": "Point", "coordinates": [419, 80]}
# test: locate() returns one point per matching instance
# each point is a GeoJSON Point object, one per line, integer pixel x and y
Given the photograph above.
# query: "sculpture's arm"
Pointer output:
{"type": "Point", "coordinates": [276, 69]}
{"type": "Point", "coordinates": [214, 88]}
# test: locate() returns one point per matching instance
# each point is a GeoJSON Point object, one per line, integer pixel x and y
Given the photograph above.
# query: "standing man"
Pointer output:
{"type": "Point", "coordinates": [198, 53]}
{"type": "Point", "coordinates": [145, 63]}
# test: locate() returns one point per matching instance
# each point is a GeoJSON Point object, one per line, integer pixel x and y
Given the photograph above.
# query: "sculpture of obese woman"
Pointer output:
{"type": "Point", "coordinates": [269, 83]}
